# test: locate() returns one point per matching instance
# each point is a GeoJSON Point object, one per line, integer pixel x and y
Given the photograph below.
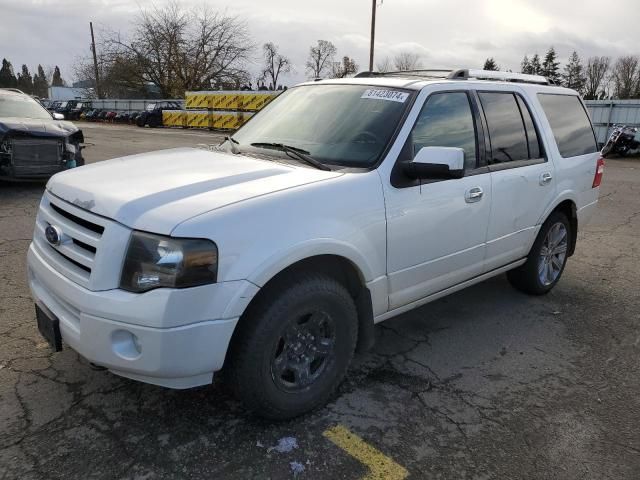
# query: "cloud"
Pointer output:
{"type": "Point", "coordinates": [457, 33]}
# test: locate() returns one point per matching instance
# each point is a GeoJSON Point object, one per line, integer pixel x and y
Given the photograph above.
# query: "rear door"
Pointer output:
{"type": "Point", "coordinates": [522, 177]}
{"type": "Point", "coordinates": [572, 143]}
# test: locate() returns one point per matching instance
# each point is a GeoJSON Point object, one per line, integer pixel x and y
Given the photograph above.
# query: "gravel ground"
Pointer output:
{"type": "Point", "coordinates": [487, 383]}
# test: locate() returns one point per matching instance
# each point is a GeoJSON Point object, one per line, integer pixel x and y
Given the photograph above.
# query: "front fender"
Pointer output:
{"type": "Point", "coordinates": [311, 248]}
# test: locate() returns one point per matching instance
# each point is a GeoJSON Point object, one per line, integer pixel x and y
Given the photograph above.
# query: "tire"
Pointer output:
{"type": "Point", "coordinates": [542, 272]}
{"type": "Point", "coordinates": [281, 329]}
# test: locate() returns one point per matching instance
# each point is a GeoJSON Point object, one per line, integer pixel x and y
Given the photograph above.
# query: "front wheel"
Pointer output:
{"type": "Point", "coordinates": [294, 346]}
{"type": "Point", "coordinates": [547, 258]}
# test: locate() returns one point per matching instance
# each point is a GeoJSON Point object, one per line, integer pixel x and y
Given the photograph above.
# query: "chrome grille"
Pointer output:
{"type": "Point", "coordinates": [91, 249]}
{"type": "Point", "coordinates": [34, 156]}
{"type": "Point", "coordinates": [75, 256]}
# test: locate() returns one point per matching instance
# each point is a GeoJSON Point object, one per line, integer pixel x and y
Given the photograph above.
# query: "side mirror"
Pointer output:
{"type": "Point", "coordinates": [436, 162]}
{"type": "Point", "coordinates": [58, 116]}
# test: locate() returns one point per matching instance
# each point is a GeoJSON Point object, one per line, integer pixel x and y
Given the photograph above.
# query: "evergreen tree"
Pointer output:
{"type": "Point", "coordinates": [56, 80]}
{"type": "Point", "coordinates": [490, 64]}
{"type": "Point", "coordinates": [7, 78]}
{"type": "Point", "coordinates": [40, 84]}
{"type": "Point", "coordinates": [551, 67]}
{"type": "Point", "coordinates": [525, 66]}
{"type": "Point", "coordinates": [574, 76]}
{"type": "Point", "coordinates": [25, 82]}
{"type": "Point", "coordinates": [535, 66]}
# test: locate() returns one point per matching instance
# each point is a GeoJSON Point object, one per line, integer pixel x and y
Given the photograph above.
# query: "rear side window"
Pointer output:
{"type": "Point", "coordinates": [510, 140]}
{"type": "Point", "coordinates": [570, 124]}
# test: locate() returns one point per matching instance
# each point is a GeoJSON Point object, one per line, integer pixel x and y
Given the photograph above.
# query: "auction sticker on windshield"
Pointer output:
{"type": "Point", "coordinates": [381, 94]}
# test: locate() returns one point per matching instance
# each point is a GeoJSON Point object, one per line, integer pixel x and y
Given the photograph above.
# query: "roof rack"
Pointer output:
{"type": "Point", "coordinates": [428, 73]}
{"type": "Point", "coordinates": [464, 74]}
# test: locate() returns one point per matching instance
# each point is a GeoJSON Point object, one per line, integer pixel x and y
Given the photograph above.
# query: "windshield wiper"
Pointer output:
{"type": "Point", "coordinates": [298, 152]}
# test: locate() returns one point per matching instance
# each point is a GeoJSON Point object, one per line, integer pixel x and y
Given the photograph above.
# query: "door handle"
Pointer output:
{"type": "Point", "coordinates": [545, 178]}
{"type": "Point", "coordinates": [474, 194]}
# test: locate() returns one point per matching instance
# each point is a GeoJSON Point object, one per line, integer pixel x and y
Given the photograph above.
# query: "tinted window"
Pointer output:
{"type": "Point", "coordinates": [506, 129]}
{"type": "Point", "coordinates": [532, 135]}
{"type": "Point", "coordinates": [446, 120]}
{"type": "Point", "coordinates": [570, 124]}
{"type": "Point", "coordinates": [348, 125]}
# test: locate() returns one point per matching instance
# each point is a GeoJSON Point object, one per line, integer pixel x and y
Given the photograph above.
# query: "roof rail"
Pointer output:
{"type": "Point", "coordinates": [464, 74]}
{"type": "Point", "coordinates": [431, 73]}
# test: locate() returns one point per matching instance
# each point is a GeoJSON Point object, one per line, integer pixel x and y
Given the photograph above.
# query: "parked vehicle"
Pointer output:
{"type": "Point", "coordinates": [65, 108]}
{"type": "Point", "coordinates": [35, 144]}
{"type": "Point", "coordinates": [76, 112]}
{"type": "Point", "coordinates": [53, 105]}
{"type": "Point", "coordinates": [133, 116]}
{"type": "Point", "coordinates": [152, 116]}
{"type": "Point", "coordinates": [341, 204]}
{"type": "Point", "coordinates": [623, 140]}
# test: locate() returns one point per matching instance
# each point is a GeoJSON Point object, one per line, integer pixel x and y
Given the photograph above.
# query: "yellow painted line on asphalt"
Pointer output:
{"type": "Point", "coordinates": [380, 466]}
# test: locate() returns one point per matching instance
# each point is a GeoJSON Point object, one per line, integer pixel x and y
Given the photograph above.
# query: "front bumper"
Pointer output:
{"type": "Point", "coordinates": [168, 337]}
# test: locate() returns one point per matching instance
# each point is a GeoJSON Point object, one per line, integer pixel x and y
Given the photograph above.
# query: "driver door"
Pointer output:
{"type": "Point", "coordinates": [436, 229]}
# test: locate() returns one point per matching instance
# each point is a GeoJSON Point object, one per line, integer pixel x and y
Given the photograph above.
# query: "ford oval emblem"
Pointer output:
{"type": "Point", "coordinates": [53, 234]}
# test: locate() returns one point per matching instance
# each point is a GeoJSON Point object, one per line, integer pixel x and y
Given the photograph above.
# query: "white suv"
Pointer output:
{"type": "Point", "coordinates": [341, 204]}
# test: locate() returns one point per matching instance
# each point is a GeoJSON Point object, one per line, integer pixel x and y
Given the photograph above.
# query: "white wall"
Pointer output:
{"type": "Point", "coordinates": [66, 93]}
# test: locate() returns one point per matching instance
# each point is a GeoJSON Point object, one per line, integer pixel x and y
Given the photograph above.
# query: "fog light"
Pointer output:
{"type": "Point", "coordinates": [126, 345]}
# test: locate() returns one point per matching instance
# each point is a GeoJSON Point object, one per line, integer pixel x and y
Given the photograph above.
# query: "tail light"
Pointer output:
{"type": "Point", "coordinates": [597, 179]}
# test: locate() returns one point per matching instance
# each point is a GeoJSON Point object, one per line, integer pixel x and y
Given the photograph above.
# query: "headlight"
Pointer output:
{"type": "Point", "coordinates": [154, 261]}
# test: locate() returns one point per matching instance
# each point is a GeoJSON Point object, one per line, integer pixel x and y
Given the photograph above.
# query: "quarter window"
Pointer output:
{"type": "Point", "coordinates": [570, 124]}
{"type": "Point", "coordinates": [446, 120]}
{"type": "Point", "coordinates": [507, 133]}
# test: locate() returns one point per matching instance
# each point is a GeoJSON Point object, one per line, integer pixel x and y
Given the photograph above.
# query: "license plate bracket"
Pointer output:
{"type": "Point", "coordinates": [49, 328]}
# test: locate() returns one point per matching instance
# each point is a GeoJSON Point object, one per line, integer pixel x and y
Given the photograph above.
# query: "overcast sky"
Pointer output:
{"type": "Point", "coordinates": [453, 33]}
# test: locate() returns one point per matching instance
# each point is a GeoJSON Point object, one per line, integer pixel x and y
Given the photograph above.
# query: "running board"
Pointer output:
{"type": "Point", "coordinates": [447, 291]}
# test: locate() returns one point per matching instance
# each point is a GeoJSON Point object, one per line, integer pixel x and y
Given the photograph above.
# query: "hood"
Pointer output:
{"type": "Point", "coordinates": [156, 191]}
{"type": "Point", "coordinates": [36, 127]}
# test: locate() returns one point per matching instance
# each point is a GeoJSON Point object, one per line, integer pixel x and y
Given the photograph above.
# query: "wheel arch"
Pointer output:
{"type": "Point", "coordinates": [568, 207]}
{"type": "Point", "coordinates": [336, 266]}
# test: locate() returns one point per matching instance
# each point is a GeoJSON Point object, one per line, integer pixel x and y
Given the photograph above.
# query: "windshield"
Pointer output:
{"type": "Point", "coordinates": [22, 106]}
{"type": "Point", "coordinates": [348, 125]}
{"type": "Point", "coordinates": [150, 107]}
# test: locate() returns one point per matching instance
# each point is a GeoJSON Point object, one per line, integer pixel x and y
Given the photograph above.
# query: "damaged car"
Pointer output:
{"type": "Point", "coordinates": [35, 144]}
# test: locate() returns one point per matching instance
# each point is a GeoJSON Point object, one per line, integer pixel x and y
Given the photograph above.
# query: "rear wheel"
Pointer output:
{"type": "Point", "coordinates": [294, 346]}
{"type": "Point", "coordinates": [547, 258]}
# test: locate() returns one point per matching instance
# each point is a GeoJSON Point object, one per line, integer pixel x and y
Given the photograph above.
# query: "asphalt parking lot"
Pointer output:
{"type": "Point", "coordinates": [487, 383]}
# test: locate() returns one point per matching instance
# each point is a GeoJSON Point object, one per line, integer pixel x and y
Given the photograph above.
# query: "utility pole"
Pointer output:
{"type": "Point", "coordinates": [373, 33]}
{"type": "Point", "coordinates": [95, 60]}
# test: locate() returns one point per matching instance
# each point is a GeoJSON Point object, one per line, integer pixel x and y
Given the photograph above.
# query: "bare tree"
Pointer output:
{"type": "Point", "coordinates": [320, 59]}
{"type": "Point", "coordinates": [384, 66]}
{"type": "Point", "coordinates": [274, 64]}
{"type": "Point", "coordinates": [625, 77]}
{"type": "Point", "coordinates": [404, 61]}
{"type": "Point", "coordinates": [595, 77]}
{"type": "Point", "coordinates": [346, 67]}
{"type": "Point", "coordinates": [177, 49]}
